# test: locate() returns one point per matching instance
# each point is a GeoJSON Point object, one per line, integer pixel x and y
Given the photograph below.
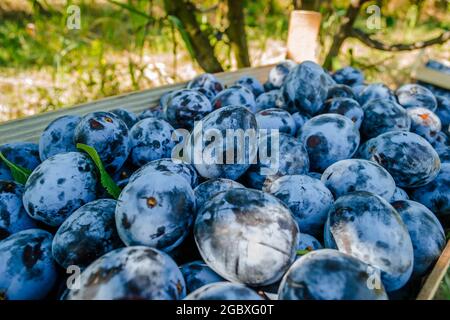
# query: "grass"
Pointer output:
{"type": "Point", "coordinates": [46, 66]}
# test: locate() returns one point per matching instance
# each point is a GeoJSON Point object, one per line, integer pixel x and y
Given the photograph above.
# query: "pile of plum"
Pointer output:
{"type": "Point", "coordinates": [356, 208]}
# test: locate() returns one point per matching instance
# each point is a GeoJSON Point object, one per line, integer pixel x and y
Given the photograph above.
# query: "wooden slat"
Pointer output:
{"type": "Point", "coordinates": [431, 76]}
{"type": "Point", "coordinates": [30, 128]}
{"type": "Point", "coordinates": [433, 281]}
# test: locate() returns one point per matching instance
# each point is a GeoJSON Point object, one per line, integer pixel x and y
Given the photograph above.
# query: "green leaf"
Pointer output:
{"type": "Point", "coordinates": [302, 252]}
{"type": "Point", "coordinates": [19, 174]}
{"type": "Point", "coordinates": [179, 26]}
{"type": "Point", "coordinates": [105, 179]}
{"type": "Point", "coordinates": [131, 9]}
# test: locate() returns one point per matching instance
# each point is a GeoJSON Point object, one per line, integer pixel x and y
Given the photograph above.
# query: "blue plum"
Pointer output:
{"type": "Point", "coordinates": [329, 275]}
{"type": "Point", "coordinates": [409, 158]}
{"type": "Point", "coordinates": [87, 234]}
{"type": "Point", "coordinates": [307, 242]}
{"type": "Point", "coordinates": [246, 236]}
{"type": "Point", "coordinates": [399, 194]}
{"type": "Point", "coordinates": [328, 139]}
{"type": "Point", "coordinates": [415, 95]}
{"type": "Point", "coordinates": [155, 112]}
{"type": "Point", "coordinates": [306, 88]}
{"type": "Point", "coordinates": [207, 81]}
{"type": "Point", "coordinates": [268, 100]}
{"type": "Point", "coordinates": [279, 155]}
{"type": "Point", "coordinates": [208, 189]}
{"type": "Point", "coordinates": [308, 199]}
{"type": "Point", "coordinates": [375, 91]}
{"type": "Point", "coordinates": [186, 106]}
{"type": "Point", "coordinates": [252, 84]}
{"type": "Point", "coordinates": [212, 159]}
{"type": "Point", "coordinates": [59, 186]}
{"type": "Point", "coordinates": [24, 154]}
{"type": "Point", "coordinates": [278, 74]}
{"type": "Point", "coordinates": [185, 170]}
{"type": "Point", "coordinates": [382, 115]}
{"type": "Point", "coordinates": [347, 107]}
{"type": "Point", "coordinates": [151, 139]}
{"type": "Point", "coordinates": [132, 273]}
{"type": "Point", "coordinates": [424, 122]}
{"type": "Point", "coordinates": [197, 274]}
{"type": "Point", "coordinates": [299, 119]}
{"type": "Point", "coordinates": [436, 194]}
{"type": "Point", "coordinates": [106, 133]}
{"type": "Point", "coordinates": [349, 76]}
{"type": "Point", "coordinates": [441, 143]}
{"type": "Point", "coordinates": [27, 269]}
{"type": "Point", "coordinates": [427, 234]}
{"type": "Point", "coordinates": [277, 119]}
{"type": "Point", "coordinates": [13, 217]}
{"type": "Point", "coordinates": [58, 137]}
{"type": "Point", "coordinates": [340, 91]}
{"type": "Point", "coordinates": [235, 95]}
{"type": "Point", "coordinates": [351, 175]}
{"type": "Point", "coordinates": [223, 291]}
{"type": "Point", "coordinates": [367, 227]}
{"type": "Point", "coordinates": [155, 209]}
{"type": "Point", "coordinates": [128, 117]}
{"type": "Point", "coordinates": [443, 111]}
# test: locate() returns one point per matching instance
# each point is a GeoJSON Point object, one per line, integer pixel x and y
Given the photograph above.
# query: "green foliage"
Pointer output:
{"type": "Point", "coordinates": [19, 174]}
{"type": "Point", "coordinates": [105, 179]}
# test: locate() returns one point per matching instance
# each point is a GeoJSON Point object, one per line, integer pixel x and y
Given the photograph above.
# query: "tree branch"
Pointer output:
{"type": "Point", "coordinates": [367, 40]}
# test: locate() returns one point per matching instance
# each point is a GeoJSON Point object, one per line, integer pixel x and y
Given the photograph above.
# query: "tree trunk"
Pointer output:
{"type": "Point", "coordinates": [236, 32]}
{"type": "Point", "coordinates": [311, 5]}
{"type": "Point", "coordinates": [203, 51]}
{"type": "Point", "coordinates": [344, 31]}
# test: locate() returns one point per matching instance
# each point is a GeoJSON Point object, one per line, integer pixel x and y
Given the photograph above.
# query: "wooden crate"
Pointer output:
{"type": "Point", "coordinates": [30, 128]}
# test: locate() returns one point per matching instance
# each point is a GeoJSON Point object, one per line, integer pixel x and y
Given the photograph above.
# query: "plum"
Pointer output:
{"type": "Point", "coordinates": [207, 81]}
{"type": "Point", "coordinates": [58, 186]}
{"type": "Point", "coordinates": [427, 235]}
{"type": "Point", "coordinates": [349, 76]}
{"type": "Point", "coordinates": [185, 170]}
{"type": "Point", "coordinates": [375, 91]}
{"type": "Point", "coordinates": [299, 119]}
{"type": "Point", "coordinates": [214, 152]}
{"type": "Point", "coordinates": [328, 139]}
{"type": "Point", "coordinates": [252, 84]}
{"type": "Point", "coordinates": [87, 234]}
{"type": "Point", "coordinates": [207, 93]}
{"type": "Point", "coordinates": [246, 236]}
{"type": "Point", "coordinates": [27, 270]}
{"type": "Point", "coordinates": [441, 143]}
{"type": "Point", "coordinates": [277, 119]}
{"type": "Point", "coordinates": [128, 117]}
{"type": "Point", "coordinates": [122, 176]}
{"type": "Point", "coordinates": [24, 154]}
{"type": "Point", "coordinates": [108, 135]}
{"type": "Point", "coordinates": [436, 194]}
{"type": "Point", "coordinates": [235, 95]}
{"type": "Point", "coordinates": [287, 156]}
{"type": "Point", "coordinates": [399, 194]}
{"type": "Point", "coordinates": [351, 175]}
{"type": "Point", "coordinates": [307, 242]}
{"type": "Point", "coordinates": [382, 115]}
{"type": "Point", "coordinates": [409, 158]}
{"type": "Point", "coordinates": [208, 189]}
{"type": "Point", "coordinates": [223, 291]}
{"type": "Point", "coordinates": [13, 217]}
{"type": "Point", "coordinates": [186, 106]}
{"type": "Point", "coordinates": [424, 122]}
{"type": "Point", "coordinates": [278, 74]}
{"type": "Point", "coordinates": [415, 95]}
{"type": "Point", "coordinates": [367, 227]}
{"type": "Point", "coordinates": [151, 139]}
{"type": "Point", "coordinates": [58, 137]}
{"type": "Point", "coordinates": [308, 199]}
{"type": "Point", "coordinates": [197, 274]}
{"type": "Point", "coordinates": [268, 100]}
{"type": "Point", "coordinates": [306, 88]}
{"type": "Point", "coordinates": [443, 111]}
{"type": "Point", "coordinates": [156, 112]}
{"type": "Point", "coordinates": [340, 91]}
{"type": "Point", "coordinates": [347, 107]}
{"type": "Point", "coordinates": [329, 275]}
{"type": "Point", "coordinates": [155, 209]}
{"type": "Point", "coordinates": [131, 273]}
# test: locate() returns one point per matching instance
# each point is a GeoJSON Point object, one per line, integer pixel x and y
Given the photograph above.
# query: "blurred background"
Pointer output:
{"type": "Point", "coordinates": [56, 53]}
